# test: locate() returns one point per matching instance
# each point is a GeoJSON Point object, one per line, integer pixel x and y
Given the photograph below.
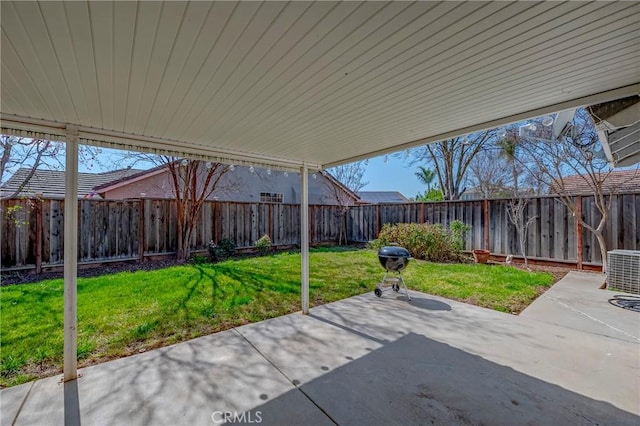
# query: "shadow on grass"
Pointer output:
{"type": "Point", "coordinates": [334, 249]}
{"type": "Point", "coordinates": [252, 279]}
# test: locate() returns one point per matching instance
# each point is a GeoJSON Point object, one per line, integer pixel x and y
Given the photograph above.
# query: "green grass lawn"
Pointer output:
{"type": "Point", "coordinates": [126, 313]}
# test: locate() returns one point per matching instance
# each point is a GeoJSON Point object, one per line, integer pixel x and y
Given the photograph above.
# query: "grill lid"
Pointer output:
{"type": "Point", "coordinates": [394, 251]}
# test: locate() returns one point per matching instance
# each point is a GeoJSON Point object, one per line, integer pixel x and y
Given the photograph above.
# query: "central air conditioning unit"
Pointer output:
{"type": "Point", "coordinates": [624, 271]}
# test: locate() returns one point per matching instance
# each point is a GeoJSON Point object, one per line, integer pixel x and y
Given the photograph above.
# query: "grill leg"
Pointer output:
{"type": "Point", "coordinates": [380, 285]}
{"type": "Point", "coordinates": [406, 290]}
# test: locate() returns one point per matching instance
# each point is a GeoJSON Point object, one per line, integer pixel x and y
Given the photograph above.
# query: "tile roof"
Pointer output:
{"type": "Point", "coordinates": [617, 181]}
{"type": "Point", "coordinates": [50, 183]}
{"type": "Point", "coordinates": [381, 197]}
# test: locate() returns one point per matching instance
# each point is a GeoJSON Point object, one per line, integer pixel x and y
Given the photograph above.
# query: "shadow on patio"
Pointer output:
{"type": "Point", "coordinates": [362, 360]}
{"type": "Point", "coordinates": [417, 380]}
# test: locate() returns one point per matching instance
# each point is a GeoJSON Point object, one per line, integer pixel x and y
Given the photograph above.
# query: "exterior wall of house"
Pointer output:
{"type": "Point", "coordinates": [237, 185]}
{"type": "Point", "coordinates": [157, 186]}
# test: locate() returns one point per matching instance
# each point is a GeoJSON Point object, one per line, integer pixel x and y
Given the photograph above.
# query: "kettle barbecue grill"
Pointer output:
{"type": "Point", "coordinates": [393, 259]}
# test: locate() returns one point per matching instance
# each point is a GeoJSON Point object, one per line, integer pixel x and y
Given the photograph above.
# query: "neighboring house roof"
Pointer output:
{"type": "Point", "coordinates": [477, 193]}
{"type": "Point", "coordinates": [617, 181]}
{"type": "Point", "coordinates": [337, 183]}
{"type": "Point", "coordinates": [382, 197]}
{"type": "Point", "coordinates": [129, 179]}
{"type": "Point", "coordinates": [50, 183]}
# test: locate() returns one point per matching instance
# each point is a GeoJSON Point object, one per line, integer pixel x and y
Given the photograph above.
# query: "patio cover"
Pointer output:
{"type": "Point", "coordinates": [318, 83]}
{"type": "Point", "coordinates": [299, 85]}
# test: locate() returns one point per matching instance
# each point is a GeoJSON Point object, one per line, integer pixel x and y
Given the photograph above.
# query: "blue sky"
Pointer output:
{"type": "Point", "coordinates": [394, 175]}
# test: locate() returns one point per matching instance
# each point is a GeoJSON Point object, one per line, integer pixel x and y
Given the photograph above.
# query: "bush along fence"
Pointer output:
{"type": "Point", "coordinates": [32, 231]}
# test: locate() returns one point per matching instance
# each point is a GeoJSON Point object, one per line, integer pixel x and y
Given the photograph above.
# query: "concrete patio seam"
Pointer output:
{"type": "Point", "coordinates": [591, 317]}
{"type": "Point", "coordinates": [24, 400]}
{"type": "Point", "coordinates": [298, 388]}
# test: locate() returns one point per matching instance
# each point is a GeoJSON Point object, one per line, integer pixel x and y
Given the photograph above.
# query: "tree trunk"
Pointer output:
{"type": "Point", "coordinates": [343, 227]}
{"type": "Point", "coordinates": [180, 252]}
{"type": "Point", "coordinates": [186, 245]}
{"type": "Point", "coordinates": [603, 249]}
{"type": "Point", "coordinates": [522, 237]}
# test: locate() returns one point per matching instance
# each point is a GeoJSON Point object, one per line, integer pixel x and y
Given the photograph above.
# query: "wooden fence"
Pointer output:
{"type": "Point", "coordinates": [553, 235]}
{"type": "Point", "coordinates": [32, 233]}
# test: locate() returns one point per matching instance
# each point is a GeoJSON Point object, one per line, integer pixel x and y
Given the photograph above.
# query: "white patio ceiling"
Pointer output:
{"type": "Point", "coordinates": [316, 83]}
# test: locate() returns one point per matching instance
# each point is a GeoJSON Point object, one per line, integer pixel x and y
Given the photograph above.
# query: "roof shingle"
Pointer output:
{"type": "Point", "coordinates": [381, 197]}
{"type": "Point", "coordinates": [50, 183]}
{"type": "Point", "coordinates": [617, 181]}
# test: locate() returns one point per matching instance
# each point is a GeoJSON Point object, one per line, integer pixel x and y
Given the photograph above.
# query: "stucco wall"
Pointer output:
{"type": "Point", "coordinates": [237, 185]}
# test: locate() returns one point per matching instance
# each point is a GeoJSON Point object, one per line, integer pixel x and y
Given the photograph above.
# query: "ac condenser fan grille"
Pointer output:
{"type": "Point", "coordinates": [624, 271]}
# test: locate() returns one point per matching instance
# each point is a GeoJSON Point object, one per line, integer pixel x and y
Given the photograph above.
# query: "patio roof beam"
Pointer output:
{"type": "Point", "coordinates": [71, 255]}
{"type": "Point", "coordinates": [16, 125]}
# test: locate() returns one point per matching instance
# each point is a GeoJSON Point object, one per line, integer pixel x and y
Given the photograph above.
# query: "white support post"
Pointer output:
{"type": "Point", "coordinates": [71, 256]}
{"type": "Point", "coordinates": [304, 236]}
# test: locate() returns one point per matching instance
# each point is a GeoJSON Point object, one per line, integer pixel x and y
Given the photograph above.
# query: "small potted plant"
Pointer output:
{"type": "Point", "coordinates": [481, 255]}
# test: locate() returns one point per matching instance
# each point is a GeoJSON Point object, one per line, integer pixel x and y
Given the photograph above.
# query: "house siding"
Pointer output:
{"type": "Point", "coordinates": [239, 185]}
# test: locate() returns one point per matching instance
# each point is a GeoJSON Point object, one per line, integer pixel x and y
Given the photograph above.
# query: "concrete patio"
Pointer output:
{"type": "Point", "coordinates": [368, 361]}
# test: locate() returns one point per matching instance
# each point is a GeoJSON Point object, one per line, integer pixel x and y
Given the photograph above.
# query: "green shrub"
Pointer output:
{"type": "Point", "coordinates": [263, 245]}
{"type": "Point", "coordinates": [199, 259]}
{"type": "Point", "coordinates": [459, 231]}
{"type": "Point", "coordinates": [424, 241]}
{"type": "Point", "coordinates": [227, 246]}
{"type": "Point", "coordinates": [224, 249]}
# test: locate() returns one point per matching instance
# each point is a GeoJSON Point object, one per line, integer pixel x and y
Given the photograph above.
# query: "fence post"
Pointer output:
{"type": "Point", "coordinates": [39, 232]}
{"type": "Point", "coordinates": [141, 232]}
{"type": "Point", "coordinates": [421, 212]}
{"type": "Point", "coordinates": [485, 206]}
{"type": "Point", "coordinates": [579, 232]}
{"type": "Point", "coordinates": [377, 220]}
{"type": "Point", "coordinates": [270, 227]}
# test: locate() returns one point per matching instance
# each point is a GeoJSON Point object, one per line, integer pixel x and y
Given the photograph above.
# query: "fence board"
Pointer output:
{"type": "Point", "coordinates": [632, 221]}
{"type": "Point", "coordinates": [57, 231]}
{"type": "Point", "coordinates": [557, 220]}
{"type": "Point", "coordinates": [10, 229]}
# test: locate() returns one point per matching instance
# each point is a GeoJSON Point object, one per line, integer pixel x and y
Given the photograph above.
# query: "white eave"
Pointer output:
{"type": "Point", "coordinates": [619, 136]}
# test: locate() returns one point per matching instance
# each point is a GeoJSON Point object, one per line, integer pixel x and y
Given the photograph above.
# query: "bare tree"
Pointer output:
{"type": "Point", "coordinates": [28, 153]}
{"type": "Point", "coordinates": [510, 147]}
{"type": "Point", "coordinates": [490, 173]}
{"type": "Point", "coordinates": [193, 182]}
{"type": "Point", "coordinates": [498, 170]}
{"type": "Point", "coordinates": [516, 212]}
{"type": "Point", "coordinates": [351, 176]}
{"type": "Point", "coordinates": [451, 159]}
{"type": "Point", "coordinates": [34, 154]}
{"type": "Point", "coordinates": [575, 154]}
